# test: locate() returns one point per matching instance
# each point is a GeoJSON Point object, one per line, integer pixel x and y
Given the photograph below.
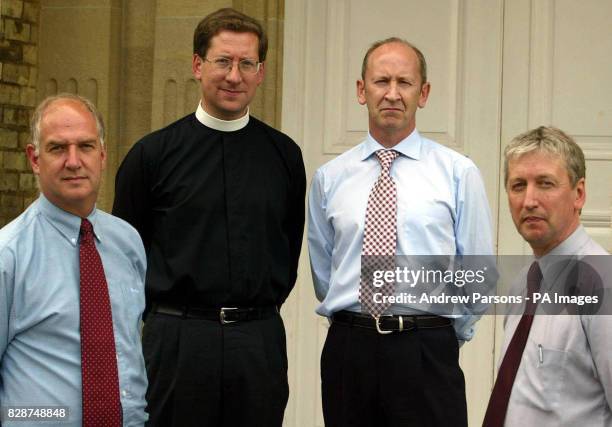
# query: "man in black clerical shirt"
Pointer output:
{"type": "Point", "coordinates": [218, 198]}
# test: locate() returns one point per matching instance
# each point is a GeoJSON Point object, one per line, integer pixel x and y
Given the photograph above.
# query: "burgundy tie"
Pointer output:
{"type": "Point", "coordinates": [379, 236]}
{"type": "Point", "coordinates": [498, 403]}
{"type": "Point", "coordinates": [101, 404]}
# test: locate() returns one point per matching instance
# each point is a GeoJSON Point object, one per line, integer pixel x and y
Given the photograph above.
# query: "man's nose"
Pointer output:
{"type": "Point", "coordinates": [531, 200]}
{"type": "Point", "coordinates": [233, 75]}
{"type": "Point", "coordinates": [393, 92]}
{"type": "Point", "coordinates": [73, 161]}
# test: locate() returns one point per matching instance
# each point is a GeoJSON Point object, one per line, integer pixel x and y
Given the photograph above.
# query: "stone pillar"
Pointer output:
{"type": "Point", "coordinates": [18, 74]}
{"type": "Point", "coordinates": [137, 74]}
{"type": "Point", "coordinates": [80, 52]}
{"type": "Point", "coordinates": [267, 102]}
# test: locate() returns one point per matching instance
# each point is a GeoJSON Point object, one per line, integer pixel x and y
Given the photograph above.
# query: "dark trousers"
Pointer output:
{"type": "Point", "coordinates": [202, 373]}
{"type": "Point", "coordinates": [410, 378]}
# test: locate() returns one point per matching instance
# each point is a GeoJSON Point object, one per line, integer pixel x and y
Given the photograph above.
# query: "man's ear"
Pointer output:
{"type": "Point", "coordinates": [33, 158]}
{"type": "Point", "coordinates": [196, 66]}
{"type": "Point", "coordinates": [103, 156]}
{"type": "Point", "coordinates": [361, 98]}
{"type": "Point", "coordinates": [580, 194]}
{"type": "Point", "coordinates": [425, 89]}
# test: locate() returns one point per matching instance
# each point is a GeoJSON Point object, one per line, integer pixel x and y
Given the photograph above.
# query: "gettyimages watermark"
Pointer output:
{"type": "Point", "coordinates": [479, 285]}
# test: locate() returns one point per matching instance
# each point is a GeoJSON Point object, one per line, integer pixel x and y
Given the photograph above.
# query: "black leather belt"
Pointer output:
{"type": "Point", "coordinates": [224, 315]}
{"type": "Point", "coordinates": [389, 324]}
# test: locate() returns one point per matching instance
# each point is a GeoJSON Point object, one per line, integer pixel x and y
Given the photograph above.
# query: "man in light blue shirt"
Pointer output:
{"type": "Point", "coordinates": [40, 338]}
{"type": "Point", "coordinates": [410, 376]}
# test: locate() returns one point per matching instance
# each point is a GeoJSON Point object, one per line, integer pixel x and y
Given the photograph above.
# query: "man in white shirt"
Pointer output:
{"type": "Point", "coordinates": [564, 374]}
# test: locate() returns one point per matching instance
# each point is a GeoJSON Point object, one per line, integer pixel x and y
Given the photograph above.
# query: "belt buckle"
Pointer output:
{"type": "Point", "coordinates": [222, 315]}
{"type": "Point", "coordinates": [384, 331]}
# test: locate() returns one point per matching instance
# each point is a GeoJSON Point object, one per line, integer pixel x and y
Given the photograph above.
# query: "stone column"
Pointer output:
{"type": "Point", "coordinates": [267, 103]}
{"type": "Point", "coordinates": [80, 52]}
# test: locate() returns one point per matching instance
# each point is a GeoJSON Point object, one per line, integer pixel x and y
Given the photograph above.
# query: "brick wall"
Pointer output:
{"type": "Point", "coordinates": [18, 76]}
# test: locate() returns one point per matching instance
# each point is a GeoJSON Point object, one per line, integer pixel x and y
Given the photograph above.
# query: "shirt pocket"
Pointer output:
{"type": "Point", "coordinates": [552, 371]}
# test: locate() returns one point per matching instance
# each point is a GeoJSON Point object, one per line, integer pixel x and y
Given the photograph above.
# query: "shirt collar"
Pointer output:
{"type": "Point", "coordinates": [571, 245]}
{"type": "Point", "coordinates": [218, 124]}
{"type": "Point", "coordinates": [67, 224]}
{"type": "Point", "coordinates": [409, 146]}
{"type": "Point", "coordinates": [562, 257]}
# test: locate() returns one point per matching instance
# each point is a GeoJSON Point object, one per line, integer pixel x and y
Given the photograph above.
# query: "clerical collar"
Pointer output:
{"type": "Point", "coordinates": [218, 124]}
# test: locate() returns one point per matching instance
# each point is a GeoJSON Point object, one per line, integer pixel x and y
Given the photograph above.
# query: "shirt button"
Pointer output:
{"type": "Point", "coordinates": [73, 240]}
{"type": "Point", "coordinates": [124, 393]}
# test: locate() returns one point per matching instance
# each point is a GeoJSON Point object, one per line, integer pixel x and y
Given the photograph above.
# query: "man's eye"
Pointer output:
{"type": "Point", "coordinates": [222, 62]}
{"type": "Point", "coordinates": [56, 148]}
{"type": "Point", "coordinates": [247, 64]}
{"type": "Point", "coordinates": [517, 187]}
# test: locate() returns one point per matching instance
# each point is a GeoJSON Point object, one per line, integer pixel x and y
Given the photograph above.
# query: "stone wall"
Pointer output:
{"type": "Point", "coordinates": [18, 71]}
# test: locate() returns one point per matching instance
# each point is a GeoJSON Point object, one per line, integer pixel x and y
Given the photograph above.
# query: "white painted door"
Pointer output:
{"type": "Point", "coordinates": [497, 68]}
{"type": "Point", "coordinates": [557, 69]}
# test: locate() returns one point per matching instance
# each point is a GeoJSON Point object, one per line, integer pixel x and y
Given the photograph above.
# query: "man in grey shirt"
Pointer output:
{"type": "Point", "coordinates": [565, 371]}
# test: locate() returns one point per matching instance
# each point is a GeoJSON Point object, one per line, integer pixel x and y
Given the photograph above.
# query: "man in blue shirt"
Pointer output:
{"type": "Point", "coordinates": [410, 376]}
{"type": "Point", "coordinates": [42, 343]}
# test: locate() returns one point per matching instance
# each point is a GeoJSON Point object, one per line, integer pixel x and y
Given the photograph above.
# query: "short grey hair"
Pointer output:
{"type": "Point", "coordinates": [550, 140]}
{"type": "Point", "coordinates": [39, 112]}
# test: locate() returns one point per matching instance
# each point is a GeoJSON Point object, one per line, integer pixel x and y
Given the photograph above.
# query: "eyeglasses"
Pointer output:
{"type": "Point", "coordinates": [245, 66]}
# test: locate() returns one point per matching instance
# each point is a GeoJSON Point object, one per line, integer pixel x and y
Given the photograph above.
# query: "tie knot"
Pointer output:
{"type": "Point", "coordinates": [534, 277]}
{"type": "Point", "coordinates": [386, 157]}
{"type": "Point", "coordinates": [86, 230]}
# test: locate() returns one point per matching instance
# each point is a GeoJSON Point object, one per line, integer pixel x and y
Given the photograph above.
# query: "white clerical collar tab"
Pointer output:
{"type": "Point", "coordinates": [218, 124]}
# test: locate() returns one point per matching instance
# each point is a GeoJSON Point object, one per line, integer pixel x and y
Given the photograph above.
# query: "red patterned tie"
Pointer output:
{"type": "Point", "coordinates": [498, 403]}
{"type": "Point", "coordinates": [380, 236]}
{"type": "Point", "coordinates": [101, 404]}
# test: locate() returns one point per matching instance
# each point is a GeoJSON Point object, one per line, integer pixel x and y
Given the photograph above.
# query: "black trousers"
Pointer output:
{"type": "Point", "coordinates": [410, 378]}
{"type": "Point", "coordinates": [202, 373]}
